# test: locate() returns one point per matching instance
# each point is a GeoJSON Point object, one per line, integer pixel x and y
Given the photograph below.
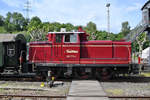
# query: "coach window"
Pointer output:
{"type": "Point", "coordinates": [58, 38]}
{"type": "Point", "coordinates": [72, 38]}
{"type": "Point", "coordinates": [10, 49]}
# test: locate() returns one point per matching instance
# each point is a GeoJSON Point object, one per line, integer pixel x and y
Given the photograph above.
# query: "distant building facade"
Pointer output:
{"type": "Point", "coordinates": [146, 13]}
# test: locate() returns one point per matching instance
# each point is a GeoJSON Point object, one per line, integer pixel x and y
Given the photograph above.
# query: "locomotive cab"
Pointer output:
{"type": "Point", "coordinates": [61, 47]}
{"type": "Point", "coordinates": [65, 46]}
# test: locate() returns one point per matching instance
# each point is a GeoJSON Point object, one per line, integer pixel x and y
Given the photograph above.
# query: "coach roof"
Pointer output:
{"type": "Point", "coordinates": [12, 38]}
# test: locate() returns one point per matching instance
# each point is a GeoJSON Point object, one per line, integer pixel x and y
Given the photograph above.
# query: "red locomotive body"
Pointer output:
{"type": "Point", "coordinates": [72, 50]}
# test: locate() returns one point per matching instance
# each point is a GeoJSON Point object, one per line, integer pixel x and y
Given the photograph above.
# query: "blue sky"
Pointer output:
{"type": "Point", "coordinates": [80, 12]}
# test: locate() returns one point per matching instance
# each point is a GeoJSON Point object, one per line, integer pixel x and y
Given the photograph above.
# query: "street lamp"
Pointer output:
{"type": "Point", "coordinates": [108, 17]}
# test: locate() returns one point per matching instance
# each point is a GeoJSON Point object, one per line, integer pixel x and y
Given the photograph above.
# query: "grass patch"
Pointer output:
{"type": "Point", "coordinates": [4, 85]}
{"type": "Point", "coordinates": [145, 74]}
{"type": "Point", "coordinates": [1, 89]}
{"type": "Point", "coordinates": [115, 91]}
{"type": "Point", "coordinates": [2, 30]}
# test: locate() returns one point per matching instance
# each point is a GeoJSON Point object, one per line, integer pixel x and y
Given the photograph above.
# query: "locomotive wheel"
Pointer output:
{"type": "Point", "coordinates": [80, 73]}
{"type": "Point", "coordinates": [67, 73]}
{"type": "Point", "coordinates": [103, 74]}
{"type": "Point", "coordinates": [57, 73]}
{"type": "Point", "coordinates": [43, 75]}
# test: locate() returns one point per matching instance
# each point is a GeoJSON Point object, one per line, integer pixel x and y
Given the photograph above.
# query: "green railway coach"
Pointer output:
{"type": "Point", "coordinates": [12, 51]}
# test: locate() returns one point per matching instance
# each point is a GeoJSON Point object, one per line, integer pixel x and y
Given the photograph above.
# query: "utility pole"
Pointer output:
{"type": "Point", "coordinates": [108, 18]}
{"type": "Point", "coordinates": [27, 8]}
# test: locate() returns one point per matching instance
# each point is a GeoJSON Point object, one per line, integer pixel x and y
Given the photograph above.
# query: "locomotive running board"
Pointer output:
{"type": "Point", "coordinates": [81, 65]}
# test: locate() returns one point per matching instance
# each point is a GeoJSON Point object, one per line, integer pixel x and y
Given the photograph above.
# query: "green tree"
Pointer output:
{"type": "Point", "coordinates": [68, 26]}
{"type": "Point", "coordinates": [119, 36]}
{"type": "Point", "coordinates": [46, 27]}
{"type": "Point", "coordinates": [125, 28]}
{"type": "Point", "coordinates": [14, 22]}
{"type": "Point", "coordinates": [8, 22]}
{"type": "Point", "coordinates": [91, 26]}
{"type": "Point", "coordinates": [101, 35]}
{"type": "Point", "coordinates": [19, 21]}
{"type": "Point", "coordinates": [91, 29]}
{"type": "Point", "coordinates": [112, 37]}
{"type": "Point", "coordinates": [34, 28]}
{"type": "Point", "coordinates": [34, 24]}
{"type": "Point", "coordinates": [56, 26]}
{"type": "Point", "coordinates": [1, 20]}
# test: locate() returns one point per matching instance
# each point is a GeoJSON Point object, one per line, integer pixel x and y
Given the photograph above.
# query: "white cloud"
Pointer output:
{"type": "Point", "coordinates": [80, 12]}
{"type": "Point", "coordinates": [13, 6]}
{"type": "Point", "coordinates": [13, 3]}
{"type": "Point", "coordinates": [134, 7]}
{"type": "Point", "coordinates": [69, 11]}
{"type": "Point", "coordinates": [3, 13]}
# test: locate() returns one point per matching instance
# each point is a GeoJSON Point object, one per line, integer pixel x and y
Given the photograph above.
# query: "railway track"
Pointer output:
{"type": "Point", "coordinates": [129, 97]}
{"type": "Point", "coordinates": [74, 95]}
{"type": "Point", "coordinates": [33, 97]}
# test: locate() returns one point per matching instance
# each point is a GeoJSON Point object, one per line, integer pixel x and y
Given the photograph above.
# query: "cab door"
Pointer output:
{"type": "Point", "coordinates": [71, 48]}
{"type": "Point", "coordinates": [57, 48]}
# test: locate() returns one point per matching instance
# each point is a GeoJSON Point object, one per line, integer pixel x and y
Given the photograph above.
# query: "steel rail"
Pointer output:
{"type": "Point", "coordinates": [110, 96]}
{"type": "Point", "coordinates": [72, 96]}
{"type": "Point", "coordinates": [128, 97]}
{"type": "Point", "coordinates": [31, 96]}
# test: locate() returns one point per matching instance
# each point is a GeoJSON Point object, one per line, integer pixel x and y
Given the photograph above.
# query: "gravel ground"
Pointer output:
{"type": "Point", "coordinates": [132, 86]}
{"type": "Point", "coordinates": [138, 86]}
{"type": "Point", "coordinates": [34, 88]}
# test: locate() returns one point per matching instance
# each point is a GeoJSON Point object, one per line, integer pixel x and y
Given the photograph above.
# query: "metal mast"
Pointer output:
{"type": "Point", "coordinates": [108, 17]}
{"type": "Point", "coordinates": [27, 8]}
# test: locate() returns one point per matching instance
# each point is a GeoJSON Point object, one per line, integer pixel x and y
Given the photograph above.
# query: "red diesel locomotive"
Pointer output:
{"type": "Point", "coordinates": [70, 54]}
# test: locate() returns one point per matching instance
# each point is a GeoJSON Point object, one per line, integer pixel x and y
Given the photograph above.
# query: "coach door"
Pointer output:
{"type": "Point", "coordinates": [57, 47]}
{"type": "Point", "coordinates": [71, 48]}
{"type": "Point", "coordinates": [1, 55]}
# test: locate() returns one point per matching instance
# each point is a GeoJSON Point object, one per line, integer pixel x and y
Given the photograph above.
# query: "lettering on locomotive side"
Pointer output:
{"type": "Point", "coordinates": [70, 56]}
{"type": "Point", "coordinates": [71, 51]}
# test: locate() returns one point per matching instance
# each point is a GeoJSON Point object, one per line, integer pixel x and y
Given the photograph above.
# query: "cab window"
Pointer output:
{"type": "Point", "coordinates": [72, 38]}
{"type": "Point", "coordinates": [58, 38]}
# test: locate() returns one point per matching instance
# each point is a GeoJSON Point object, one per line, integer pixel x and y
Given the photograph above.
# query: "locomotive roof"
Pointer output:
{"type": "Point", "coordinates": [65, 32]}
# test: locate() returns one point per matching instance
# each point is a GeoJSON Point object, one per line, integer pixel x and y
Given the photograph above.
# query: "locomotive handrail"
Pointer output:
{"type": "Point", "coordinates": [34, 55]}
